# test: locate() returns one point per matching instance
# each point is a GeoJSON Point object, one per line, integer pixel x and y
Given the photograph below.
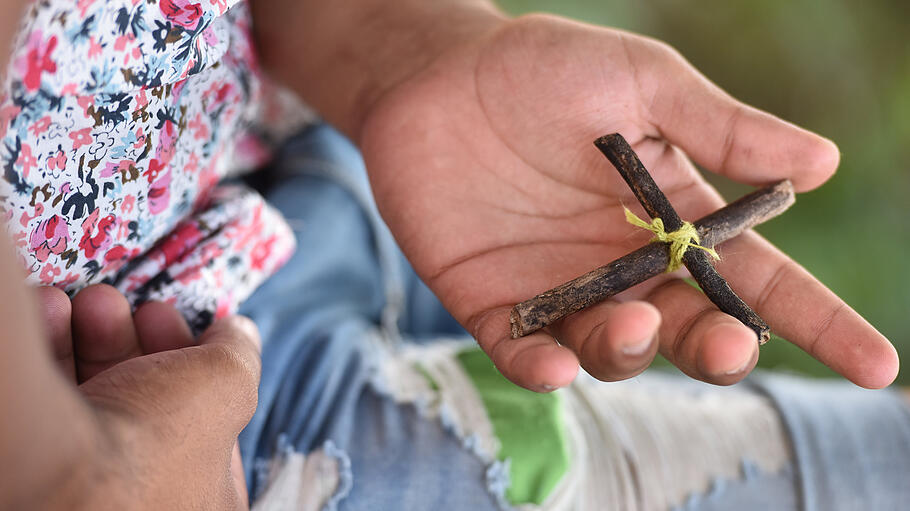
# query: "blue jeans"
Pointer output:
{"type": "Point", "coordinates": [348, 296]}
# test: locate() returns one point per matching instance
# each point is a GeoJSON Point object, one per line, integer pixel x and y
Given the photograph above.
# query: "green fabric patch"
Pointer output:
{"type": "Point", "coordinates": [423, 371]}
{"type": "Point", "coordinates": [529, 427]}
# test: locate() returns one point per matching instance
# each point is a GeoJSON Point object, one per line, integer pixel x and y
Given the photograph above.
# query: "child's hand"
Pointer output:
{"type": "Point", "coordinates": [162, 413]}
{"type": "Point", "coordinates": [98, 329]}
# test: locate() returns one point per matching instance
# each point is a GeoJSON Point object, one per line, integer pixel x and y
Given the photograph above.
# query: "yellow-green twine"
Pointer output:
{"type": "Point", "coordinates": [680, 240]}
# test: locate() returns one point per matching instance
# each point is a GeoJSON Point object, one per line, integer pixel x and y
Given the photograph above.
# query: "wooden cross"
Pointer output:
{"type": "Point", "coordinates": [652, 259]}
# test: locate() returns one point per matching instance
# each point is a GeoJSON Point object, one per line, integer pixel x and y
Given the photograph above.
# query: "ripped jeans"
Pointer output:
{"type": "Point", "coordinates": [374, 398]}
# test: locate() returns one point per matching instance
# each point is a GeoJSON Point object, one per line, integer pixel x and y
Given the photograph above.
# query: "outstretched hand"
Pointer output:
{"type": "Point", "coordinates": [483, 166]}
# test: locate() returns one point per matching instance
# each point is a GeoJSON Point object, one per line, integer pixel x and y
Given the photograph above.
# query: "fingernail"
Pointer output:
{"type": "Point", "coordinates": [636, 349]}
{"type": "Point", "coordinates": [749, 361]}
{"type": "Point", "coordinates": [548, 388]}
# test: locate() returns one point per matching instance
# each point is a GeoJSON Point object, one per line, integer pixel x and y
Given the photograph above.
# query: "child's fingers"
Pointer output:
{"type": "Point", "coordinates": [160, 327]}
{"type": "Point", "coordinates": [56, 311]}
{"type": "Point", "coordinates": [103, 330]}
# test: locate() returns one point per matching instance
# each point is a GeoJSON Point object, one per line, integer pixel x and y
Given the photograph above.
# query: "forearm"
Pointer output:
{"type": "Point", "coordinates": [342, 56]}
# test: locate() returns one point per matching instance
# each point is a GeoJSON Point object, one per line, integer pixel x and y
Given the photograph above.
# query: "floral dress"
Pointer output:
{"type": "Point", "coordinates": [118, 122]}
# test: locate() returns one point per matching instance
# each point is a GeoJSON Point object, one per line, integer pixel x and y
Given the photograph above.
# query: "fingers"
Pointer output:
{"type": "Point", "coordinates": [709, 345]}
{"type": "Point", "coordinates": [213, 385]}
{"type": "Point", "coordinates": [614, 341]}
{"type": "Point", "coordinates": [187, 404]}
{"type": "Point", "coordinates": [160, 327]}
{"type": "Point", "coordinates": [802, 310]}
{"type": "Point", "coordinates": [103, 330]}
{"type": "Point", "coordinates": [536, 362]}
{"type": "Point", "coordinates": [56, 311]}
{"type": "Point", "coordinates": [724, 135]}
{"type": "Point", "coordinates": [703, 342]}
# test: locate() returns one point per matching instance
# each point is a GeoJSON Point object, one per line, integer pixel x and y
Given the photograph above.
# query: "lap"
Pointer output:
{"type": "Point", "coordinates": [372, 391]}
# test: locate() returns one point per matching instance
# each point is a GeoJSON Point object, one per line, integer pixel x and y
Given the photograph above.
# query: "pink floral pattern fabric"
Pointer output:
{"type": "Point", "coordinates": [118, 121]}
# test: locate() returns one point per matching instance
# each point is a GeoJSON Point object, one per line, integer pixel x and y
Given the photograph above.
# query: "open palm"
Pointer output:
{"type": "Point", "coordinates": [483, 166]}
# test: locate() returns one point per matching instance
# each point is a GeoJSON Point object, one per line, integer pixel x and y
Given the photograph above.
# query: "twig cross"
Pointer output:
{"type": "Point", "coordinates": [652, 259]}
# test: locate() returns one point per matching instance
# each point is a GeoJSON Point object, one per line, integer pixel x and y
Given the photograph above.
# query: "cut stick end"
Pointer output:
{"type": "Point", "coordinates": [764, 337]}
{"type": "Point", "coordinates": [786, 186]}
{"type": "Point", "coordinates": [515, 323]}
{"type": "Point", "coordinates": [610, 140]}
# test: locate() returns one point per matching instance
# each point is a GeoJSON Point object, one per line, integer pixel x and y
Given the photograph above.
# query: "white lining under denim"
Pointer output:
{"type": "Point", "coordinates": [307, 482]}
{"type": "Point", "coordinates": [651, 442]}
{"type": "Point", "coordinates": [644, 444]}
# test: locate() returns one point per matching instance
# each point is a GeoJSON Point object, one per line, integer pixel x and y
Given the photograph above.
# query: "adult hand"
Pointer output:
{"type": "Point", "coordinates": [477, 133]}
{"type": "Point", "coordinates": [483, 166]}
{"type": "Point", "coordinates": [154, 420]}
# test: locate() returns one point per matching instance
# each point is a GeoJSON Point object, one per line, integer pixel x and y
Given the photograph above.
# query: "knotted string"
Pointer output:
{"type": "Point", "coordinates": [680, 240]}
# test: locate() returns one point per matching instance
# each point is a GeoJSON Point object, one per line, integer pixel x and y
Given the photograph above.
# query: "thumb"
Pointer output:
{"type": "Point", "coordinates": [726, 136]}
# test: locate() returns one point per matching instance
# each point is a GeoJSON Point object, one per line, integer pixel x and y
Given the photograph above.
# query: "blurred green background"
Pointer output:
{"type": "Point", "coordinates": [840, 68]}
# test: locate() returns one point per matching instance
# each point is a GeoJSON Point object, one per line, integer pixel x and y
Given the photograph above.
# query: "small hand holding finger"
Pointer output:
{"type": "Point", "coordinates": [160, 327]}
{"type": "Point", "coordinates": [103, 330]}
{"type": "Point", "coordinates": [56, 311]}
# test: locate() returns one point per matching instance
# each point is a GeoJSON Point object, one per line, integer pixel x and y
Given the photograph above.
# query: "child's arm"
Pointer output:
{"type": "Point", "coordinates": [108, 443]}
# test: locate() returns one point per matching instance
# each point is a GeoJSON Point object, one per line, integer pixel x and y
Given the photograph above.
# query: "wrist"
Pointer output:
{"type": "Point", "coordinates": [341, 59]}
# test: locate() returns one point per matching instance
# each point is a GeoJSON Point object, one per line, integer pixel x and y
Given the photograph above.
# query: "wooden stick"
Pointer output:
{"type": "Point", "coordinates": [621, 155]}
{"type": "Point", "coordinates": [649, 261]}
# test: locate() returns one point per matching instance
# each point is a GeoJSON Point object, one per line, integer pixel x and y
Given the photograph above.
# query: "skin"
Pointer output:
{"type": "Point", "coordinates": [109, 409]}
{"type": "Point", "coordinates": [486, 138]}
{"type": "Point", "coordinates": [481, 127]}
{"type": "Point", "coordinates": [134, 416]}
{"type": "Point", "coordinates": [10, 11]}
